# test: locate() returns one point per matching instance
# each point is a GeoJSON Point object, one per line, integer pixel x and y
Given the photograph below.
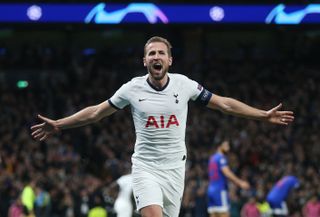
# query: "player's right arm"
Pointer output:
{"type": "Point", "coordinates": [85, 116]}
{"type": "Point", "coordinates": [231, 176]}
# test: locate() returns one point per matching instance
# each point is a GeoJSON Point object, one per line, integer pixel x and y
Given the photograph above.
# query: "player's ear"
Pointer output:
{"type": "Point", "coordinates": [170, 61]}
{"type": "Point", "coordinates": [144, 62]}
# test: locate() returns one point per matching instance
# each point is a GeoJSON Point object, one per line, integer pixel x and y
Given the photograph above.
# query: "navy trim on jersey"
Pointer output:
{"type": "Point", "coordinates": [204, 97]}
{"type": "Point", "coordinates": [113, 105]}
{"type": "Point", "coordinates": [156, 88]}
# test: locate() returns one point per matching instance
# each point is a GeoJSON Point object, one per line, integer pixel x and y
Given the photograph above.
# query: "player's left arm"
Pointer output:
{"type": "Point", "coordinates": [235, 107]}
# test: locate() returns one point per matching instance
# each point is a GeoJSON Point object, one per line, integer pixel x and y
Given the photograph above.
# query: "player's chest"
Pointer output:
{"type": "Point", "coordinates": [162, 102]}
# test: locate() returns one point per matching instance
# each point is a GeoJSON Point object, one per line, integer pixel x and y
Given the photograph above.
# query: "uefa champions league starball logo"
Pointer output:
{"type": "Point", "coordinates": [34, 12]}
{"type": "Point", "coordinates": [216, 13]}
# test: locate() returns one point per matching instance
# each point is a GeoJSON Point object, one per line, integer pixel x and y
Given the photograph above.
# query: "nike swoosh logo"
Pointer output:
{"type": "Point", "coordinates": [99, 14]}
{"type": "Point", "coordinates": [142, 99]}
{"type": "Point", "coordinates": [278, 15]}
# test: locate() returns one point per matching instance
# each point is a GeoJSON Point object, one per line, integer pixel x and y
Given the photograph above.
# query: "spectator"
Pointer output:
{"type": "Point", "coordinates": [312, 207]}
{"type": "Point", "coordinates": [250, 209]}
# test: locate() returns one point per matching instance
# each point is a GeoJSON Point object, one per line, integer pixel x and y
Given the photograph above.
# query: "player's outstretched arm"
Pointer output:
{"type": "Point", "coordinates": [237, 108]}
{"type": "Point", "coordinates": [86, 116]}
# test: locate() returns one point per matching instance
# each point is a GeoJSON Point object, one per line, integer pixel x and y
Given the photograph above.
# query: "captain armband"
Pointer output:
{"type": "Point", "coordinates": [204, 97]}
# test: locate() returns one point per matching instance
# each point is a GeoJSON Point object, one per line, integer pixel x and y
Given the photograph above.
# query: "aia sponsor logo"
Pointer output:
{"type": "Point", "coordinates": [161, 122]}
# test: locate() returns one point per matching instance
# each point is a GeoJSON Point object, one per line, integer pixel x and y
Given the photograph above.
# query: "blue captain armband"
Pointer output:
{"type": "Point", "coordinates": [204, 97]}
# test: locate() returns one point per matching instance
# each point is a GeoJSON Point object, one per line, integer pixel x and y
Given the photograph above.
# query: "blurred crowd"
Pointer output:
{"type": "Point", "coordinates": [68, 175]}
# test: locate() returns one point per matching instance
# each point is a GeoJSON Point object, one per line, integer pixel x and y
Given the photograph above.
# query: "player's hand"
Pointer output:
{"type": "Point", "coordinates": [279, 117]}
{"type": "Point", "coordinates": [44, 130]}
{"type": "Point", "coordinates": [244, 185]}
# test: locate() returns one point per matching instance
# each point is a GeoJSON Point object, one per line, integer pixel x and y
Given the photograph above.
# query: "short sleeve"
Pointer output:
{"type": "Point", "coordinates": [194, 88]}
{"type": "Point", "coordinates": [121, 97]}
{"type": "Point", "coordinates": [197, 92]}
{"type": "Point", "coordinates": [223, 162]}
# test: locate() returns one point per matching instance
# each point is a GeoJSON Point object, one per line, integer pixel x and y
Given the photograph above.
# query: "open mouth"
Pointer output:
{"type": "Point", "coordinates": [157, 66]}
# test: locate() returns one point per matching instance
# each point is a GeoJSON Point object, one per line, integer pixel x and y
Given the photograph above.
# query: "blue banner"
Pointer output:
{"type": "Point", "coordinates": [149, 13]}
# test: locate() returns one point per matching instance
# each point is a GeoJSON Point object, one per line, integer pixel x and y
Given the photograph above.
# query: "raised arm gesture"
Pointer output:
{"type": "Point", "coordinates": [234, 107]}
{"type": "Point", "coordinates": [83, 117]}
{"type": "Point", "coordinates": [44, 130]}
{"type": "Point", "coordinates": [279, 117]}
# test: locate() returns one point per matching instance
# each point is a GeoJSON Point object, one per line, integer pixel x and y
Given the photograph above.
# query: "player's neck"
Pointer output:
{"type": "Point", "coordinates": [221, 151]}
{"type": "Point", "coordinates": [159, 84]}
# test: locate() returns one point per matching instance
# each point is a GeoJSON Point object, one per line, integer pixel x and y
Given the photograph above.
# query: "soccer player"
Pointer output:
{"type": "Point", "coordinates": [219, 173]}
{"type": "Point", "coordinates": [159, 105]}
{"type": "Point", "coordinates": [123, 205]}
{"type": "Point", "coordinates": [278, 194]}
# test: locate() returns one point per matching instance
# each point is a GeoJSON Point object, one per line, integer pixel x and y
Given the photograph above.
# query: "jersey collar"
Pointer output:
{"type": "Point", "coordinates": [156, 88]}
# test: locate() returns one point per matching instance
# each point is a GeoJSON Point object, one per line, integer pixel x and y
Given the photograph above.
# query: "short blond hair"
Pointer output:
{"type": "Point", "coordinates": [158, 39]}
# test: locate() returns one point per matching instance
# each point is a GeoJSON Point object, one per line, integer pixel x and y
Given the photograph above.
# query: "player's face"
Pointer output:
{"type": "Point", "coordinates": [157, 60]}
{"type": "Point", "coordinates": [225, 147]}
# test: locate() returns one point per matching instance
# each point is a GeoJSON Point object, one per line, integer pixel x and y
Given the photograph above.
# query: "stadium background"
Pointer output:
{"type": "Point", "coordinates": [68, 67]}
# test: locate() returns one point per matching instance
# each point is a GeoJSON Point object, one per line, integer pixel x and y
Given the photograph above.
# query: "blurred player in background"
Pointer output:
{"type": "Point", "coordinates": [121, 192]}
{"type": "Point", "coordinates": [278, 194]}
{"type": "Point", "coordinates": [219, 173]}
{"type": "Point", "coordinates": [123, 205]}
{"type": "Point", "coordinates": [159, 106]}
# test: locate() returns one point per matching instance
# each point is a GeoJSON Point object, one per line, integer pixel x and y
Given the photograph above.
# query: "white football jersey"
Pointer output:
{"type": "Point", "coordinates": [123, 205]}
{"type": "Point", "coordinates": [159, 117]}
